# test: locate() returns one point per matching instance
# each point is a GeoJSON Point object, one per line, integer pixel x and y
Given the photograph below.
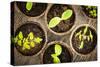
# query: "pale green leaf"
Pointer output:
{"type": "Point", "coordinates": [20, 35]}
{"type": "Point", "coordinates": [31, 35]}
{"type": "Point", "coordinates": [88, 38]}
{"type": "Point", "coordinates": [58, 49]}
{"type": "Point", "coordinates": [29, 6]}
{"type": "Point", "coordinates": [55, 58]}
{"type": "Point", "coordinates": [32, 44]}
{"type": "Point", "coordinates": [77, 34]}
{"type": "Point", "coordinates": [85, 30]}
{"type": "Point", "coordinates": [26, 46]}
{"type": "Point", "coordinates": [19, 43]}
{"type": "Point", "coordinates": [80, 37]}
{"type": "Point", "coordinates": [54, 22]}
{"type": "Point", "coordinates": [91, 36]}
{"type": "Point", "coordinates": [37, 39]}
{"type": "Point", "coordinates": [67, 14]}
{"type": "Point", "coordinates": [16, 39]}
{"type": "Point", "coordinates": [81, 45]}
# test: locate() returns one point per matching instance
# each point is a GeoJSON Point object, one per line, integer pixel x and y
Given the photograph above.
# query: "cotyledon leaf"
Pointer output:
{"type": "Point", "coordinates": [77, 34]}
{"type": "Point", "coordinates": [91, 36]}
{"type": "Point", "coordinates": [54, 22]}
{"type": "Point", "coordinates": [32, 44]}
{"type": "Point", "coordinates": [58, 49]}
{"type": "Point", "coordinates": [37, 39]}
{"type": "Point", "coordinates": [19, 42]}
{"type": "Point", "coordinates": [66, 14]}
{"type": "Point", "coordinates": [31, 35]}
{"type": "Point", "coordinates": [29, 6]}
{"type": "Point", "coordinates": [81, 45]}
{"type": "Point", "coordinates": [26, 46]}
{"type": "Point", "coordinates": [85, 30]}
{"type": "Point", "coordinates": [20, 35]}
{"type": "Point", "coordinates": [55, 58]}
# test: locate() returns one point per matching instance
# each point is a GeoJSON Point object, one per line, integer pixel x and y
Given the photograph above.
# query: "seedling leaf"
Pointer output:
{"type": "Point", "coordinates": [19, 43]}
{"type": "Point", "coordinates": [37, 39]}
{"type": "Point", "coordinates": [91, 36]}
{"type": "Point", "coordinates": [54, 22]}
{"type": "Point", "coordinates": [58, 49]}
{"type": "Point", "coordinates": [88, 38]}
{"type": "Point", "coordinates": [20, 35]}
{"type": "Point", "coordinates": [80, 37]}
{"type": "Point", "coordinates": [85, 30]}
{"type": "Point", "coordinates": [26, 46]}
{"type": "Point", "coordinates": [55, 58]}
{"type": "Point", "coordinates": [16, 39]}
{"type": "Point", "coordinates": [81, 45]}
{"type": "Point", "coordinates": [31, 35]}
{"type": "Point", "coordinates": [67, 14]}
{"type": "Point", "coordinates": [77, 34]}
{"type": "Point", "coordinates": [32, 44]}
{"type": "Point", "coordinates": [29, 6]}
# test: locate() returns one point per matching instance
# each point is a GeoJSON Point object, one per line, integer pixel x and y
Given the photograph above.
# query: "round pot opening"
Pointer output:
{"type": "Point", "coordinates": [64, 26]}
{"type": "Point", "coordinates": [84, 39]}
{"type": "Point", "coordinates": [36, 10]}
{"type": "Point", "coordinates": [65, 56]}
{"type": "Point", "coordinates": [90, 11]}
{"type": "Point", "coordinates": [33, 35]}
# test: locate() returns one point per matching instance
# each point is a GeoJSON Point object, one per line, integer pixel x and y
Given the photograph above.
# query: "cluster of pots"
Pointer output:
{"type": "Point", "coordinates": [36, 21]}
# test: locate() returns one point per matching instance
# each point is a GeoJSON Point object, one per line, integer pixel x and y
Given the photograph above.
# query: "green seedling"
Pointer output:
{"type": "Point", "coordinates": [37, 40]}
{"type": "Point", "coordinates": [92, 10]}
{"type": "Point", "coordinates": [58, 51]}
{"type": "Point", "coordinates": [91, 36]}
{"type": "Point", "coordinates": [27, 43]}
{"type": "Point", "coordinates": [56, 20]}
{"type": "Point", "coordinates": [83, 36]}
{"type": "Point", "coordinates": [81, 45]}
{"type": "Point", "coordinates": [29, 6]}
{"type": "Point", "coordinates": [55, 58]}
{"type": "Point", "coordinates": [85, 30]}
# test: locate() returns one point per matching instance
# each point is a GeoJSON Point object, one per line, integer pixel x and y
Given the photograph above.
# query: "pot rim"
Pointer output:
{"type": "Point", "coordinates": [61, 43]}
{"type": "Point", "coordinates": [83, 12]}
{"type": "Point", "coordinates": [72, 36]}
{"type": "Point", "coordinates": [18, 10]}
{"type": "Point", "coordinates": [60, 34]}
{"type": "Point", "coordinates": [45, 33]}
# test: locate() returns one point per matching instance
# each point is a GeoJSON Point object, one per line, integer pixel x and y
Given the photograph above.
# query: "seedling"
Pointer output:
{"type": "Point", "coordinates": [56, 20]}
{"type": "Point", "coordinates": [83, 36]}
{"type": "Point", "coordinates": [29, 6]}
{"type": "Point", "coordinates": [27, 43]}
{"type": "Point", "coordinates": [91, 10]}
{"type": "Point", "coordinates": [58, 51]}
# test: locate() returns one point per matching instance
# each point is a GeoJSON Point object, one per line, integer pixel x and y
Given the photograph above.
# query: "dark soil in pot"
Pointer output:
{"type": "Point", "coordinates": [88, 46]}
{"type": "Point", "coordinates": [90, 11]}
{"type": "Point", "coordinates": [36, 10]}
{"type": "Point", "coordinates": [56, 11]}
{"type": "Point", "coordinates": [65, 56]}
{"type": "Point", "coordinates": [38, 32]}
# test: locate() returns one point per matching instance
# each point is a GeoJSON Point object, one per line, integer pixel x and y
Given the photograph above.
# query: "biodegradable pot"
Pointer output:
{"type": "Point", "coordinates": [38, 31]}
{"type": "Point", "coordinates": [86, 12]}
{"type": "Point", "coordinates": [66, 55]}
{"type": "Point", "coordinates": [37, 10]}
{"type": "Point", "coordinates": [63, 27]}
{"type": "Point", "coordinates": [89, 46]}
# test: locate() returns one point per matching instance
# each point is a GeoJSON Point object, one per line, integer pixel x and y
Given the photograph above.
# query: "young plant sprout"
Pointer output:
{"type": "Point", "coordinates": [58, 51]}
{"type": "Point", "coordinates": [56, 20]}
{"type": "Point", "coordinates": [92, 10]}
{"type": "Point", "coordinates": [27, 43]}
{"type": "Point", "coordinates": [29, 6]}
{"type": "Point", "coordinates": [83, 36]}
